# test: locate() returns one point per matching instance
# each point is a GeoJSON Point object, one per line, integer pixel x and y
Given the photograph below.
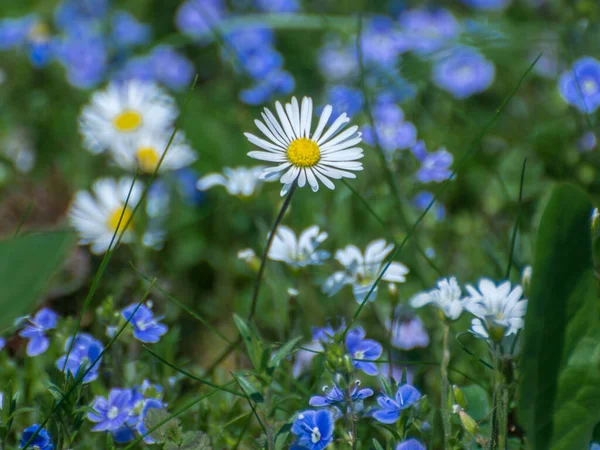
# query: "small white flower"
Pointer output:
{"type": "Point", "coordinates": [143, 150]}
{"type": "Point", "coordinates": [304, 156]}
{"type": "Point", "coordinates": [247, 255]}
{"type": "Point", "coordinates": [362, 271]}
{"type": "Point", "coordinates": [499, 310]}
{"type": "Point", "coordinates": [95, 217]}
{"type": "Point", "coordinates": [124, 110]}
{"type": "Point", "coordinates": [241, 181]}
{"type": "Point", "coordinates": [447, 297]}
{"type": "Point", "coordinates": [299, 252]}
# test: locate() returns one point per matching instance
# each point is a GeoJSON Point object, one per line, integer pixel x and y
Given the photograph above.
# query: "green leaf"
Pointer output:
{"type": "Point", "coordinates": [478, 401]}
{"type": "Point", "coordinates": [251, 341]}
{"type": "Point", "coordinates": [27, 264]}
{"type": "Point", "coordinates": [560, 385]}
{"type": "Point", "coordinates": [249, 388]}
{"type": "Point", "coordinates": [377, 445]}
{"type": "Point", "coordinates": [283, 352]}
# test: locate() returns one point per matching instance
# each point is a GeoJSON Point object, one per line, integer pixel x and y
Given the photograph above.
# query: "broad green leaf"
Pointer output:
{"type": "Point", "coordinates": [283, 352]}
{"type": "Point", "coordinates": [27, 264]}
{"type": "Point", "coordinates": [477, 400]}
{"type": "Point", "coordinates": [560, 387]}
{"type": "Point", "coordinates": [377, 445]}
{"type": "Point", "coordinates": [251, 341]}
{"type": "Point", "coordinates": [249, 388]}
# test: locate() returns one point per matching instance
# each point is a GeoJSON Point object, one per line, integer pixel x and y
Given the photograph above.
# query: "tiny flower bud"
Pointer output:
{"type": "Point", "coordinates": [466, 420]}
{"type": "Point", "coordinates": [459, 396]}
{"type": "Point", "coordinates": [526, 278]}
{"type": "Point", "coordinates": [393, 289]}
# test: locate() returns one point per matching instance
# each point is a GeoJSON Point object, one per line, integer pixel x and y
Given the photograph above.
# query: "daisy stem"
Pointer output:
{"type": "Point", "coordinates": [500, 427]}
{"type": "Point", "coordinates": [445, 408]}
{"type": "Point", "coordinates": [263, 261]}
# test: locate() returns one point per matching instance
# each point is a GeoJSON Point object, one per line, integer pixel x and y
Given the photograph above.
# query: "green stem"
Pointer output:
{"type": "Point", "coordinates": [501, 399]}
{"type": "Point", "coordinates": [445, 386]}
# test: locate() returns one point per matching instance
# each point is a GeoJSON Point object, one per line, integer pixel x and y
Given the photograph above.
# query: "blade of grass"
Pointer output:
{"type": "Point", "coordinates": [24, 218]}
{"type": "Point", "coordinates": [251, 405]}
{"type": "Point", "coordinates": [517, 221]}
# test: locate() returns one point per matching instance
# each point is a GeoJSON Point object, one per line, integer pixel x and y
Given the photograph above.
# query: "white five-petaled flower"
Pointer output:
{"type": "Point", "coordinates": [304, 156]}
{"type": "Point", "coordinates": [96, 217]}
{"type": "Point", "coordinates": [298, 252]}
{"type": "Point", "coordinates": [362, 271]}
{"type": "Point", "coordinates": [143, 151]}
{"type": "Point", "coordinates": [124, 110]}
{"type": "Point", "coordinates": [499, 310]}
{"type": "Point", "coordinates": [447, 297]}
{"type": "Point", "coordinates": [241, 181]}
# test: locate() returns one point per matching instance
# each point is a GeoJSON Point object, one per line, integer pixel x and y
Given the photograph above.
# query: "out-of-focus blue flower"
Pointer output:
{"type": "Point", "coordinates": [313, 430]}
{"type": "Point", "coordinates": [111, 413]}
{"type": "Point", "coordinates": [151, 390]}
{"type": "Point", "coordinates": [410, 444]}
{"type": "Point", "coordinates": [382, 42]}
{"type": "Point", "coordinates": [123, 434]}
{"type": "Point", "coordinates": [71, 13]}
{"type": "Point", "coordinates": [276, 83]}
{"type": "Point", "coordinates": [327, 333]}
{"type": "Point", "coordinates": [580, 86]}
{"type": "Point", "coordinates": [408, 332]}
{"type": "Point", "coordinates": [140, 68]}
{"type": "Point", "coordinates": [196, 18]}
{"type": "Point", "coordinates": [2, 344]}
{"type": "Point", "coordinates": [393, 132]}
{"type": "Point", "coordinates": [141, 427]}
{"type": "Point", "coordinates": [171, 68]}
{"type": "Point", "coordinates": [335, 396]}
{"type": "Point", "coordinates": [337, 61]}
{"type": "Point", "coordinates": [42, 441]}
{"type": "Point", "coordinates": [146, 327]}
{"type": "Point", "coordinates": [344, 99]}
{"type": "Point", "coordinates": [186, 185]}
{"type": "Point", "coordinates": [490, 5]}
{"type": "Point", "coordinates": [424, 198]}
{"type": "Point", "coordinates": [43, 321]}
{"type": "Point", "coordinates": [390, 408]}
{"type": "Point", "coordinates": [360, 348]}
{"type": "Point", "coordinates": [429, 29]}
{"type": "Point", "coordinates": [435, 166]}
{"type": "Point", "coordinates": [464, 72]}
{"type": "Point", "coordinates": [587, 142]}
{"type": "Point", "coordinates": [278, 6]}
{"type": "Point", "coordinates": [594, 446]}
{"type": "Point", "coordinates": [85, 351]}
{"type": "Point", "coordinates": [254, 51]}
{"type": "Point", "coordinates": [13, 32]}
{"type": "Point", "coordinates": [127, 31]}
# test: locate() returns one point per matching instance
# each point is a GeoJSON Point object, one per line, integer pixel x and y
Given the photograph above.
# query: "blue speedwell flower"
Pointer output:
{"type": "Point", "coordinates": [361, 348]}
{"type": "Point", "coordinates": [43, 321]}
{"type": "Point", "coordinates": [422, 201]}
{"type": "Point", "coordinates": [335, 396]}
{"type": "Point", "coordinates": [382, 42]}
{"type": "Point", "coordinates": [42, 441]}
{"type": "Point", "coordinates": [171, 68]}
{"type": "Point", "coordinates": [488, 5]}
{"type": "Point", "coordinates": [195, 18]}
{"type": "Point", "coordinates": [391, 408]}
{"type": "Point", "coordinates": [464, 72]}
{"type": "Point", "coordinates": [407, 332]}
{"type": "Point", "coordinates": [345, 99]}
{"type": "Point", "coordinates": [146, 327]}
{"type": "Point", "coordinates": [435, 166]}
{"type": "Point", "coordinates": [429, 29]}
{"type": "Point", "coordinates": [392, 131]}
{"type": "Point", "coordinates": [127, 31]}
{"type": "Point", "coordinates": [580, 86]}
{"type": "Point", "coordinates": [410, 444]}
{"type": "Point", "coordinates": [148, 404]}
{"type": "Point", "coordinates": [313, 430]}
{"type": "Point", "coordinates": [113, 412]}
{"type": "Point", "coordinates": [85, 351]}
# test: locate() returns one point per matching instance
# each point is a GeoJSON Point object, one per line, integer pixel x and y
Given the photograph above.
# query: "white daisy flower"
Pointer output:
{"type": "Point", "coordinates": [96, 217]}
{"type": "Point", "coordinates": [123, 110]}
{"type": "Point", "coordinates": [303, 156]}
{"type": "Point", "coordinates": [241, 181]}
{"type": "Point", "coordinates": [362, 271]}
{"type": "Point", "coordinates": [300, 252]}
{"type": "Point", "coordinates": [144, 150]}
{"type": "Point", "coordinates": [447, 297]}
{"type": "Point", "coordinates": [499, 310]}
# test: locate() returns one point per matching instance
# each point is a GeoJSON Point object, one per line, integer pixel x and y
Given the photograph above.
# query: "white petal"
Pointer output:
{"type": "Point", "coordinates": [267, 156]}
{"type": "Point", "coordinates": [263, 144]}
{"type": "Point", "coordinates": [302, 178]}
{"type": "Point", "coordinates": [274, 125]}
{"type": "Point", "coordinates": [210, 180]}
{"type": "Point", "coordinates": [343, 119]}
{"type": "Point", "coordinates": [343, 145]}
{"type": "Point", "coordinates": [268, 133]}
{"type": "Point", "coordinates": [283, 118]}
{"type": "Point", "coordinates": [310, 176]}
{"type": "Point", "coordinates": [325, 115]}
{"type": "Point", "coordinates": [340, 137]}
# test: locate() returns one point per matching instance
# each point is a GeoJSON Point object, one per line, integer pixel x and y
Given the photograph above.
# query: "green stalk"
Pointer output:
{"type": "Point", "coordinates": [501, 399]}
{"type": "Point", "coordinates": [446, 414]}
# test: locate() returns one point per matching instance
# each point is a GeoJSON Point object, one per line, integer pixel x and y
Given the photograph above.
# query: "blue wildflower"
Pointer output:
{"type": "Point", "coordinates": [43, 321]}
{"type": "Point", "coordinates": [408, 332]}
{"type": "Point", "coordinates": [85, 351]}
{"type": "Point", "coordinates": [335, 396]}
{"type": "Point", "coordinates": [327, 333]}
{"type": "Point", "coordinates": [42, 441]}
{"type": "Point", "coordinates": [13, 32]}
{"type": "Point", "coordinates": [410, 444]}
{"type": "Point", "coordinates": [587, 142]}
{"type": "Point", "coordinates": [422, 201]}
{"type": "Point", "coordinates": [141, 427]}
{"type": "Point", "coordinates": [429, 29]}
{"type": "Point", "coordinates": [140, 68]}
{"type": "Point", "coordinates": [123, 434]}
{"type": "Point", "coordinates": [360, 348]}
{"type": "Point", "coordinates": [195, 18]}
{"type": "Point", "coordinates": [337, 61]}
{"type": "Point", "coordinates": [127, 31]}
{"type": "Point", "coordinates": [278, 82]}
{"type": "Point", "coordinates": [88, 13]}
{"type": "Point", "coordinates": [406, 396]}
{"type": "Point", "coordinates": [392, 131]}
{"type": "Point", "coordinates": [278, 6]}
{"type": "Point", "coordinates": [146, 327]}
{"type": "Point", "coordinates": [435, 166]}
{"type": "Point", "coordinates": [489, 5]}
{"type": "Point", "coordinates": [594, 446]}
{"type": "Point", "coordinates": [171, 68]}
{"type": "Point", "coordinates": [2, 343]}
{"type": "Point", "coordinates": [112, 413]}
{"type": "Point", "coordinates": [313, 430]}
{"type": "Point", "coordinates": [464, 72]}
{"type": "Point", "coordinates": [580, 86]}
{"type": "Point", "coordinates": [382, 42]}
{"type": "Point", "coordinates": [186, 186]}
{"type": "Point", "coordinates": [345, 99]}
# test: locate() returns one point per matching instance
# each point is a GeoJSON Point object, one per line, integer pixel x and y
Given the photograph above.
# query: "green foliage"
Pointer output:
{"type": "Point", "coordinates": [171, 434]}
{"type": "Point", "coordinates": [560, 388]}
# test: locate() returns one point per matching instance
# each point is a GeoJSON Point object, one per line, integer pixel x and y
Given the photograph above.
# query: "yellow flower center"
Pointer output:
{"type": "Point", "coordinates": [303, 152]}
{"type": "Point", "coordinates": [115, 216]}
{"type": "Point", "coordinates": [128, 121]}
{"type": "Point", "coordinates": [147, 159]}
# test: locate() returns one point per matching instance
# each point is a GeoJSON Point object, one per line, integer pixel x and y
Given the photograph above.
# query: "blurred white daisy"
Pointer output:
{"type": "Point", "coordinates": [123, 110]}
{"type": "Point", "coordinates": [361, 271]}
{"type": "Point", "coordinates": [302, 156]}
{"type": "Point", "coordinates": [447, 297]}
{"type": "Point", "coordinates": [499, 310]}
{"type": "Point", "coordinates": [96, 217]}
{"type": "Point", "coordinates": [144, 150]}
{"type": "Point", "coordinates": [241, 181]}
{"type": "Point", "coordinates": [298, 252]}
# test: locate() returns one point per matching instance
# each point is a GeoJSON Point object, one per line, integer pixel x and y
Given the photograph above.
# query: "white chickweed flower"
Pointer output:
{"type": "Point", "coordinates": [300, 252]}
{"type": "Point", "coordinates": [96, 217]}
{"type": "Point", "coordinates": [241, 181]}
{"type": "Point", "coordinates": [304, 156]}
{"type": "Point", "coordinates": [499, 310]}
{"type": "Point", "coordinates": [362, 271]}
{"type": "Point", "coordinates": [447, 297]}
{"type": "Point", "coordinates": [122, 110]}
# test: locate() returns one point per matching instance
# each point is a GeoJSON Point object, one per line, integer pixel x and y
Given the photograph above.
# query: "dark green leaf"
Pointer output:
{"type": "Point", "coordinates": [249, 389]}
{"type": "Point", "coordinates": [283, 352]}
{"type": "Point", "coordinates": [377, 445]}
{"type": "Point", "coordinates": [251, 341]}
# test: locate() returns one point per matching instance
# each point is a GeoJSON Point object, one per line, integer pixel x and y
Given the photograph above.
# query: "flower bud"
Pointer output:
{"type": "Point", "coordinates": [459, 397]}
{"type": "Point", "coordinates": [466, 420]}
